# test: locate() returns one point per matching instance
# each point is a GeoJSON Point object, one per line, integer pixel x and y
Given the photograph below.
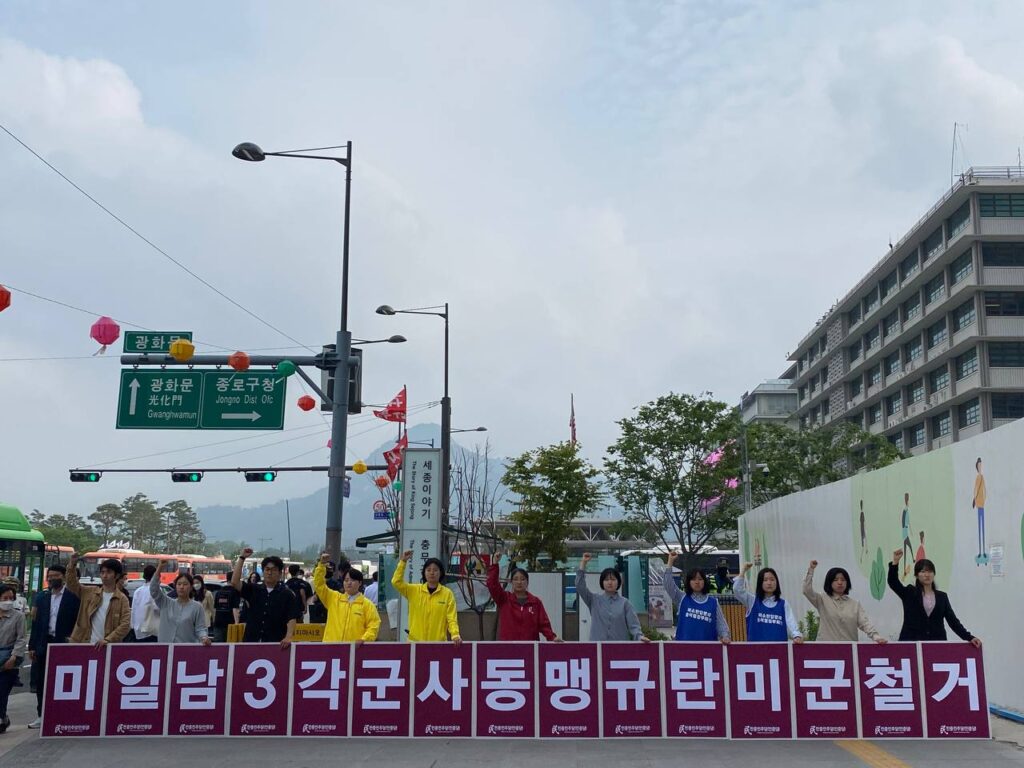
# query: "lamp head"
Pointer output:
{"type": "Point", "coordinates": [249, 151]}
{"type": "Point", "coordinates": [396, 339]}
{"type": "Point", "coordinates": [384, 309]}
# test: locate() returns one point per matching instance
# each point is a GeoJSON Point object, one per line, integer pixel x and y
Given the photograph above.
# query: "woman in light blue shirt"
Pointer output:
{"type": "Point", "coordinates": [182, 619]}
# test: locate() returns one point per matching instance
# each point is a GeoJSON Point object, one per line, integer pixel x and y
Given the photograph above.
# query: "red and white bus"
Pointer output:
{"type": "Point", "coordinates": [207, 567]}
{"type": "Point", "coordinates": [132, 560]}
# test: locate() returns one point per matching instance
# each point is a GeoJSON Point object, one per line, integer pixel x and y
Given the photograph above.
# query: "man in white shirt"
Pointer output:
{"type": "Point", "coordinates": [371, 590]}
{"type": "Point", "coordinates": [142, 603]}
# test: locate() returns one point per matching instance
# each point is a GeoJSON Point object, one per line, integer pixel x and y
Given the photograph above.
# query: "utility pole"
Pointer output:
{"type": "Point", "coordinates": [288, 518]}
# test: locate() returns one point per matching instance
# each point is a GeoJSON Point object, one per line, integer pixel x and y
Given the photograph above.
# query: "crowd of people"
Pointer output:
{"type": "Point", "coordinates": [270, 607]}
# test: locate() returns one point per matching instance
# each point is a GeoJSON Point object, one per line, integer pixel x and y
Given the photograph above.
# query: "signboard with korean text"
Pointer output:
{"type": "Point", "coordinates": [152, 342]}
{"type": "Point", "coordinates": [631, 689]}
{"type": "Point", "coordinates": [954, 691]}
{"type": "Point", "coordinates": [825, 694]}
{"type": "Point", "coordinates": [506, 703]}
{"type": "Point", "coordinates": [759, 704]}
{"type": "Point", "coordinates": [260, 674]}
{"type": "Point", "coordinates": [443, 690]}
{"type": "Point", "coordinates": [890, 691]}
{"type": "Point", "coordinates": [381, 689]}
{"type": "Point", "coordinates": [74, 690]}
{"type": "Point", "coordinates": [320, 685]}
{"type": "Point", "coordinates": [567, 690]}
{"type": "Point", "coordinates": [694, 686]}
{"type": "Point", "coordinates": [136, 689]}
{"type": "Point", "coordinates": [421, 517]}
{"type": "Point", "coordinates": [197, 703]}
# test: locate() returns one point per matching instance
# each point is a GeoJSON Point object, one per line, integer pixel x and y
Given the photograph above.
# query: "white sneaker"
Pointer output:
{"type": "Point", "coordinates": [36, 723]}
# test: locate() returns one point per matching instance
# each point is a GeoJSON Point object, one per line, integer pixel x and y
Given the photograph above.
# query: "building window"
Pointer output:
{"type": "Point", "coordinates": [1004, 304]}
{"type": "Point", "coordinates": [855, 388]}
{"type": "Point", "coordinates": [889, 284]}
{"type": "Point", "coordinates": [1001, 206]}
{"type": "Point", "coordinates": [933, 244]}
{"type": "Point", "coordinates": [911, 308]}
{"type": "Point", "coordinates": [915, 392]}
{"type": "Point", "coordinates": [1007, 405]}
{"type": "Point", "coordinates": [937, 333]}
{"type": "Point", "coordinates": [892, 364]}
{"type": "Point", "coordinates": [966, 364]}
{"type": "Point", "coordinates": [1002, 254]}
{"type": "Point", "coordinates": [963, 316]}
{"type": "Point", "coordinates": [938, 379]}
{"type": "Point", "coordinates": [871, 302]}
{"type": "Point", "coordinates": [803, 393]}
{"type": "Point", "coordinates": [942, 424]}
{"type": "Point", "coordinates": [912, 349]}
{"type": "Point", "coordinates": [875, 413]}
{"type": "Point", "coordinates": [875, 376]}
{"type": "Point", "coordinates": [890, 324]}
{"type": "Point", "coordinates": [958, 222]}
{"type": "Point", "coordinates": [969, 413]}
{"type": "Point", "coordinates": [825, 407]}
{"type": "Point", "coordinates": [934, 289]}
{"type": "Point", "coordinates": [1006, 354]}
{"type": "Point", "coordinates": [917, 435]}
{"type": "Point", "coordinates": [854, 316]}
{"type": "Point", "coordinates": [854, 352]}
{"type": "Point", "coordinates": [909, 266]}
{"type": "Point", "coordinates": [961, 267]}
{"type": "Point", "coordinates": [871, 338]}
{"type": "Point", "coordinates": [893, 404]}
{"type": "Point", "coordinates": [897, 441]}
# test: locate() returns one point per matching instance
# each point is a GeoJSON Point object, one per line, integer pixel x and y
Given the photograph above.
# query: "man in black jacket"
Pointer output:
{"type": "Point", "coordinates": [54, 612]}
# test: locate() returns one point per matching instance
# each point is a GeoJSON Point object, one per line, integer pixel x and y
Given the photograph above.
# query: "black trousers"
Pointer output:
{"type": "Point", "coordinates": [7, 680]}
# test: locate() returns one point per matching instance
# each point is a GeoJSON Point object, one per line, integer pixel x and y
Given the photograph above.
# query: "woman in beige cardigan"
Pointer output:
{"type": "Point", "coordinates": [841, 615]}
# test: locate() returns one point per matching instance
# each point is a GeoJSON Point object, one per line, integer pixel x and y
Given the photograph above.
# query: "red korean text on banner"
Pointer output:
{"type": "Point", "coordinates": [393, 458]}
{"type": "Point", "coordinates": [136, 690]}
{"type": "Point", "coordinates": [74, 690]}
{"type": "Point", "coordinates": [259, 690]}
{"type": "Point", "coordinates": [320, 678]}
{"type": "Point", "coordinates": [568, 690]}
{"type": "Point", "coordinates": [631, 693]}
{"type": "Point", "coordinates": [198, 700]}
{"type": "Point", "coordinates": [394, 410]}
{"type": "Point", "coordinates": [381, 689]}
{"type": "Point", "coordinates": [442, 702]}
{"type": "Point", "coordinates": [759, 691]}
{"type": "Point", "coordinates": [890, 703]}
{"type": "Point", "coordinates": [954, 690]}
{"type": "Point", "coordinates": [695, 702]}
{"type": "Point", "coordinates": [505, 693]}
{"type": "Point", "coordinates": [825, 693]}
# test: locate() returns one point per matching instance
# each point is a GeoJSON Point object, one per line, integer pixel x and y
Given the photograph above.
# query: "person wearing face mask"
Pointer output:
{"type": "Point", "coordinates": [841, 615]}
{"type": "Point", "coordinates": [204, 597]}
{"type": "Point", "coordinates": [612, 617]}
{"type": "Point", "coordinates": [351, 618]}
{"type": "Point", "coordinates": [521, 615]}
{"type": "Point", "coordinates": [12, 648]}
{"type": "Point", "coordinates": [432, 612]}
{"type": "Point", "coordinates": [182, 619]}
{"type": "Point", "coordinates": [54, 612]}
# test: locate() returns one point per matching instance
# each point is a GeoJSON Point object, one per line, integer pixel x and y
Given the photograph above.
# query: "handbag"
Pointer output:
{"type": "Point", "coordinates": [150, 620]}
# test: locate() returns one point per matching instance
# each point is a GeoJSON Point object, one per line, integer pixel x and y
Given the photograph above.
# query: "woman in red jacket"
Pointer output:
{"type": "Point", "coordinates": [521, 616]}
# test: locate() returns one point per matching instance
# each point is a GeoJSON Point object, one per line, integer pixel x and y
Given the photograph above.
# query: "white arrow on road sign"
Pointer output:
{"type": "Point", "coordinates": [251, 416]}
{"type": "Point", "coordinates": [134, 387]}
{"type": "Point", "coordinates": [379, 505]}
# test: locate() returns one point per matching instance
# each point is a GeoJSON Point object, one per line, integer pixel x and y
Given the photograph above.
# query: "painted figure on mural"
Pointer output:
{"type": "Point", "coordinates": [908, 548]}
{"type": "Point", "coordinates": [978, 503]}
{"type": "Point", "coordinates": [863, 533]}
{"type": "Point", "coordinates": [920, 550]}
{"type": "Point", "coordinates": [757, 552]}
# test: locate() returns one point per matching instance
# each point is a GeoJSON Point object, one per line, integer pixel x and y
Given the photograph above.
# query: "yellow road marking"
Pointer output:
{"type": "Point", "coordinates": [871, 754]}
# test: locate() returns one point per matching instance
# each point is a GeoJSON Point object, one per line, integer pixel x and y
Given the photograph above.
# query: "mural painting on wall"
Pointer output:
{"type": "Point", "coordinates": [910, 506]}
{"type": "Point", "coordinates": [755, 547]}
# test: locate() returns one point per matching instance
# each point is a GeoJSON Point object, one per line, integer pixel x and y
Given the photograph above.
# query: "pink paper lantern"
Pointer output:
{"type": "Point", "coordinates": [105, 331]}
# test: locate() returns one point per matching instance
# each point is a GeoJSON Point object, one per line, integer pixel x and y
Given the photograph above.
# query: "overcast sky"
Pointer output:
{"type": "Point", "coordinates": [618, 199]}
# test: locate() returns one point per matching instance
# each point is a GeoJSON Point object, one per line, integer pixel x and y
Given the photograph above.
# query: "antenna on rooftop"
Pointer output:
{"type": "Point", "coordinates": [962, 128]}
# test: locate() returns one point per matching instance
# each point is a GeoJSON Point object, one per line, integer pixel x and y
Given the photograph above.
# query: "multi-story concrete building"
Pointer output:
{"type": "Point", "coordinates": [773, 400]}
{"type": "Point", "coordinates": [928, 347]}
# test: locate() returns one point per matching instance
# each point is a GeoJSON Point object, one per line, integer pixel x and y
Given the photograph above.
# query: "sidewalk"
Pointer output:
{"type": "Point", "coordinates": [21, 709]}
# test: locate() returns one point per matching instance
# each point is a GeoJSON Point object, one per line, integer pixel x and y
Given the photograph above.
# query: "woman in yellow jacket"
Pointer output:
{"type": "Point", "coordinates": [350, 616]}
{"type": "Point", "coordinates": [432, 614]}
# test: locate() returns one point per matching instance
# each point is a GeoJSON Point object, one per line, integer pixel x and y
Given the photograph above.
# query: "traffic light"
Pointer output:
{"type": "Point", "coordinates": [86, 477]}
{"type": "Point", "coordinates": [186, 477]}
{"type": "Point", "coordinates": [260, 477]}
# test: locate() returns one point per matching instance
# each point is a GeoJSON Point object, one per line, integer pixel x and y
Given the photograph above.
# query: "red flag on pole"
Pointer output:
{"type": "Point", "coordinates": [572, 419]}
{"type": "Point", "coordinates": [395, 410]}
{"type": "Point", "coordinates": [394, 456]}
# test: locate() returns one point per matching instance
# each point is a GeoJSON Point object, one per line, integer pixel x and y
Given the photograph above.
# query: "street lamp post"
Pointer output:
{"type": "Point", "coordinates": [339, 410]}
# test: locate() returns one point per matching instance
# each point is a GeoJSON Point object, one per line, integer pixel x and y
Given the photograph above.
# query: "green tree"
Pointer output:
{"type": "Point", "coordinates": [183, 533]}
{"type": "Point", "coordinates": [66, 530]}
{"type": "Point", "coordinates": [143, 525]}
{"type": "Point", "coordinates": [106, 519]}
{"type": "Point", "coordinates": [798, 460]}
{"type": "Point", "coordinates": [554, 485]}
{"type": "Point", "coordinates": [225, 547]}
{"type": "Point", "coordinates": [672, 467]}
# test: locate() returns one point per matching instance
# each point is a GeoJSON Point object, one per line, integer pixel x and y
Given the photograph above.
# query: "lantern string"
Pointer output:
{"type": "Point", "coordinates": [149, 242]}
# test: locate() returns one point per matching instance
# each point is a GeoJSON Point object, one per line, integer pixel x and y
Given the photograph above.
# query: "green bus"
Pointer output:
{"type": "Point", "coordinates": [21, 551]}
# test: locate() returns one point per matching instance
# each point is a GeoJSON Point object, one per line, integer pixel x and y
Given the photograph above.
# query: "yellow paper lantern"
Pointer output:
{"type": "Point", "coordinates": [182, 350]}
{"type": "Point", "coordinates": [359, 467]}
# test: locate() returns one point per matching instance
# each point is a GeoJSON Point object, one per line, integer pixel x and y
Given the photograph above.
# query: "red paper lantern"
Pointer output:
{"type": "Point", "coordinates": [105, 331]}
{"type": "Point", "coordinates": [239, 361]}
{"type": "Point", "coordinates": [307, 403]}
{"type": "Point", "coordinates": [381, 481]}
{"type": "Point", "coordinates": [5, 298]}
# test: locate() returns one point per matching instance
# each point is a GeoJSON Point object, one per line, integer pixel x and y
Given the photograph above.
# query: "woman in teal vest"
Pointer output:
{"type": "Point", "coordinates": [700, 616]}
{"type": "Point", "coordinates": [769, 617]}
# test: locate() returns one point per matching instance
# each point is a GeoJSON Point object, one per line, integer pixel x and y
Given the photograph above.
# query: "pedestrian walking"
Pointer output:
{"type": "Point", "coordinates": [926, 610]}
{"type": "Point", "coordinates": [700, 616]}
{"type": "Point", "coordinates": [432, 613]}
{"type": "Point", "coordinates": [226, 610]}
{"type": "Point", "coordinates": [612, 617]}
{"type": "Point", "coordinates": [303, 589]}
{"type": "Point", "coordinates": [351, 617]}
{"type": "Point", "coordinates": [840, 616]}
{"type": "Point", "coordinates": [182, 619]}
{"type": "Point", "coordinates": [273, 608]}
{"type": "Point", "coordinates": [54, 613]}
{"type": "Point", "coordinates": [769, 617]}
{"type": "Point", "coordinates": [13, 647]}
{"type": "Point", "coordinates": [521, 614]}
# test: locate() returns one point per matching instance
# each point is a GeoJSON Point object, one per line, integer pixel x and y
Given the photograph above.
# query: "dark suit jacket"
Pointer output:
{"type": "Point", "coordinates": [918, 625]}
{"type": "Point", "coordinates": [67, 614]}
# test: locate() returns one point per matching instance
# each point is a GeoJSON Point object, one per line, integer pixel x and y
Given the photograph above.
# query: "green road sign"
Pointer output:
{"type": "Point", "coordinates": [145, 342]}
{"type": "Point", "coordinates": [200, 399]}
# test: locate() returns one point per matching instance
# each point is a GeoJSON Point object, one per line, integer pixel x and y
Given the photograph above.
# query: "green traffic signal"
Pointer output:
{"type": "Point", "coordinates": [86, 477]}
{"type": "Point", "coordinates": [260, 477]}
{"type": "Point", "coordinates": [186, 477]}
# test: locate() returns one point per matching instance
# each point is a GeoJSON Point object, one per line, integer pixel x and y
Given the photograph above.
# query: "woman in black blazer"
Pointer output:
{"type": "Point", "coordinates": [926, 610]}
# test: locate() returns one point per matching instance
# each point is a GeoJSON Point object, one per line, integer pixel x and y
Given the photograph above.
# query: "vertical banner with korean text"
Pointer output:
{"type": "Point", "coordinates": [695, 701]}
{"type": "Point", "coordinates": [890, 698]}
{"type": "Point", "coordinates": [259, 689]}
{"type": "Point", "coordinates": [74, 690]}
{"type": "Point", "coordinates": [631, 689]}
{"type": "Point", "coordinates": [954, 691]}
{"type": "Point", "coordinates": [442, 703]}
{"type": "Point", "coordinates": [506, 703]}
{"type": "Point", "coordinates": [567, 690]}
{"type": "Point", "coordinates": [136, 691]}
{"type": "Point", "coordinates": [420, 525]}
{"type": "Point", "coordinates": [381, 689]}
{"type": "Point", "coordinates": [320, 683]}
{"type": "Point", "coordinates": [197, 702]}
{"type": "Point", "coordinates": [759, 706]}
{"type": "Point", "coordinates": [825, 696]}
